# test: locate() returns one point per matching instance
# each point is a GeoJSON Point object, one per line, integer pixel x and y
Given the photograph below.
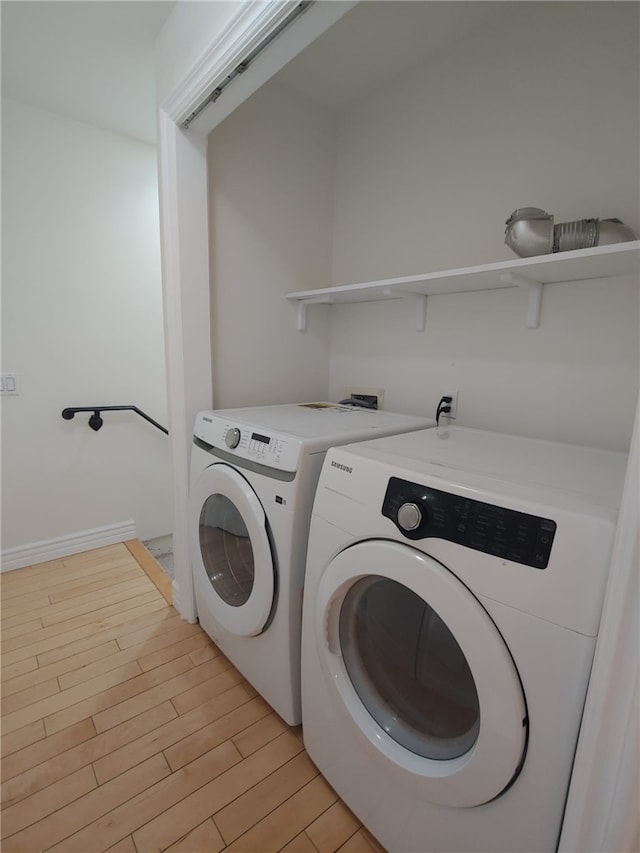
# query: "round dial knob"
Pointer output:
{"type": "Point", "coordinates": [232, 437]}
{"type": "Point", "coordinates": [409, 516]}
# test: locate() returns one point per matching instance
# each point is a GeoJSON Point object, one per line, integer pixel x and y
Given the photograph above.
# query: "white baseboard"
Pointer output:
{"type": "Point", "coordinates": [63, 546]}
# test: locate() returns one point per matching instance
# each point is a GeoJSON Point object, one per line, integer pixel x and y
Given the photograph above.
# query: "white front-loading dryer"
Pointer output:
{"type": "Point", "coordinates": [253, 477]}
{"type": "Point", "coordinates": [453, 593]}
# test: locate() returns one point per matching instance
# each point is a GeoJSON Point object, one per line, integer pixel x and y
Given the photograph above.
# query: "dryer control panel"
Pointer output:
{"type": "Point", "coordinates": [420, 512]}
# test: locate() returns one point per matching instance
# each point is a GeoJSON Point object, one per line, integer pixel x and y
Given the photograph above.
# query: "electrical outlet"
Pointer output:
{"type": "Point", "coordinates": [8, 384]}
{"type": "Point", "coordinates": [454, 403]}
{"type": "Point", "coordinates": [367, 394]}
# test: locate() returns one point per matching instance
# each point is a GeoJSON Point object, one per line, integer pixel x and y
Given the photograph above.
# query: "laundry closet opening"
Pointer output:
{"type": "Point", "coordinates": [398, 143]}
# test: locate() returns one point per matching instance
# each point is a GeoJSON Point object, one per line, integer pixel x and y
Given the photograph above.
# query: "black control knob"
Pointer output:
{"type": "Point", "coordinates": [409, 516]}
{"type": "Point", "coordinates": [232, 437]}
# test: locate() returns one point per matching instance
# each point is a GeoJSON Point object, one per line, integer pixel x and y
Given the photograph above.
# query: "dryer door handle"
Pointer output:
{"type": "Point", "coordinates": [332, 628]}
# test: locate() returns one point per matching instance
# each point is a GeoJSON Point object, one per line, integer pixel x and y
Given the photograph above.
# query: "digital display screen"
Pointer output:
{"type": "Point", "coordinates": [255, 436]}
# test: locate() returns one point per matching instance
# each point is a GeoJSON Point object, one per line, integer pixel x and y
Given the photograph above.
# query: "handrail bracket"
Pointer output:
{"type": "Point", "coordinates": [96, 422]}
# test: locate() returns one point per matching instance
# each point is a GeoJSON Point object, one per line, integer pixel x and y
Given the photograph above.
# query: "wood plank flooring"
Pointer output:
{"type": "Point", "coordinates": [125, 729]}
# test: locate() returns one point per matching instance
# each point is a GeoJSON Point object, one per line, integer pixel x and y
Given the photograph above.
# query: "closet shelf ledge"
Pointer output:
{"type": "Point", "coordinates": [581, 264]}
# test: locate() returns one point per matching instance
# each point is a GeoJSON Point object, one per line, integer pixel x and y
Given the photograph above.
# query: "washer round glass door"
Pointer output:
{"type": "Point", "coordinates": [231, 550]}
{"type": "Point", "coordinates": [422, 670]}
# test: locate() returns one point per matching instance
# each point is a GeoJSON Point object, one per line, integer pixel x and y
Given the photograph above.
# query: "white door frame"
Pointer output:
{"type": "Point", "coordinates": [185, 231]}
{"type": "Point", "coordinates": [602, 809]}
{"type": "Point", "coordinates": [606, 771]}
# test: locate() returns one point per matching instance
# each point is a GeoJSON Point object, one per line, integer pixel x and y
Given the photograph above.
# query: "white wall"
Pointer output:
{"type": "Point", "coordinates": [540, 107]}
{"type": "Point", "coordinates": [271, 167]}
{"type": "Point", "coordinates": [82, 325]}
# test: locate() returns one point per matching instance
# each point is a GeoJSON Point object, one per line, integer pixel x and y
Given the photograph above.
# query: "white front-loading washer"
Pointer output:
{"type": "Point", "coordinates": [454, 585]}
{"type": "Point", "coordinates": [253, 477]}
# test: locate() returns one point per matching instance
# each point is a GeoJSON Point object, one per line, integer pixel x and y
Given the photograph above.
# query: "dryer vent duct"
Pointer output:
{"type": "Point", "coordinates": [530, 231]}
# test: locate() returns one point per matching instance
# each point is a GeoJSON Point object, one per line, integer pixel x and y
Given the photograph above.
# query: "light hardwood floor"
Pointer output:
{"type": "Point", "coordinates": [125, 729]}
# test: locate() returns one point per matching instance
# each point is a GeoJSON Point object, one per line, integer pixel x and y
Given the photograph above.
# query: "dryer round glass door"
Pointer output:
{"type": "Point", "coordinates": [408, 669]}
{"type": "Point", "coordinates": [422, 671]}
{"type": "Point", "coordinates": [233, 562]}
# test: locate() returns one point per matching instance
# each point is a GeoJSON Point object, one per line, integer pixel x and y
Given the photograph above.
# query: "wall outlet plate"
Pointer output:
{"type": "Point", "coordinates": [8, 384]}
{"type": "Point", "coordinates": [365, 393]}
{"type": "Point", "coordinates": [454, 403]}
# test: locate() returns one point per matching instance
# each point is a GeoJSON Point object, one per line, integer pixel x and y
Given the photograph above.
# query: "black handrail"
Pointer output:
{"type": "Point", "coordinates": [95, 421]}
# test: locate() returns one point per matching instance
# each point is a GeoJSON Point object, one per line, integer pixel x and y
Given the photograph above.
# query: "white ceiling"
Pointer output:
{"type": "Point", "coordinates": [86, 59]}
{"type": "Point", "coordinates": [378, 40]}
{"type": "Point", "coordinates": [93, 60]}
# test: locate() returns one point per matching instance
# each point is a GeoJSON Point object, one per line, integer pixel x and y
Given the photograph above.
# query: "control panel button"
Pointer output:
{"type": "Point", "coordinates": [232, 437]}
{"type": "Point", "coordinates": [409, 516]}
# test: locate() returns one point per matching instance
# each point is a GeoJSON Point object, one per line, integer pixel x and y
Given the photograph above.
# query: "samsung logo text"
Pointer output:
{"type": "Point", "coordinates": [341, 467]}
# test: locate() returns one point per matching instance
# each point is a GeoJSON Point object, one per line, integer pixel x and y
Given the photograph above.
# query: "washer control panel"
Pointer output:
{"type": "Point", "coordinates": [258, 446]}
{"type": "Point", "coordinates": [420, 512]}
{"type": "Point", "coordinates": [245, 442]}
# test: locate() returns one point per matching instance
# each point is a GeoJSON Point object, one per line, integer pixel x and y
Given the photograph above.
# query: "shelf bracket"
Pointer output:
{"type": "Point", "coordinates": [534, 290]}
{"type": "Point", "coordinates": [301, 316]}
{"type": "Point", "coordinates": [420, 304]}
{"type": "Point", "coordinates": [421, 311]}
